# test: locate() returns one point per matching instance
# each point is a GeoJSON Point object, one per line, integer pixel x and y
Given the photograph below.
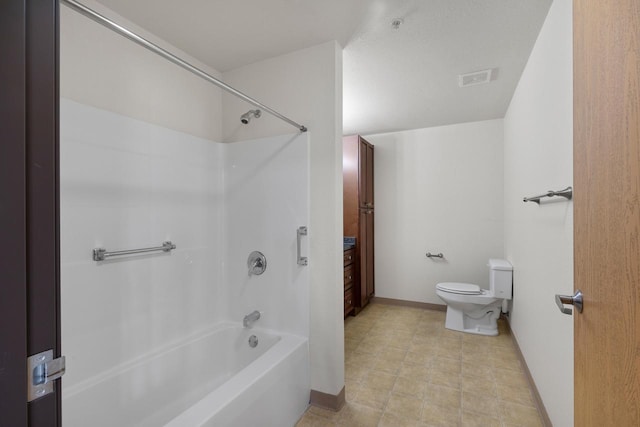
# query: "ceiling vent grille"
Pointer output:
{"type": "Point", "coordinates": [475, 78]}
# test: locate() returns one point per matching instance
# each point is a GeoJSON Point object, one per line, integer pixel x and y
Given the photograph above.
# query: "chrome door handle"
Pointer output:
{"type": "Point", "coordinates": [575, 300]}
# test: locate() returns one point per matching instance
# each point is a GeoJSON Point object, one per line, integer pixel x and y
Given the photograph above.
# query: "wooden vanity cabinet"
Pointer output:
{"type": "Point", "coordinates": [359, 213]}
{"type": "Point", "coordinates": [349, 279]}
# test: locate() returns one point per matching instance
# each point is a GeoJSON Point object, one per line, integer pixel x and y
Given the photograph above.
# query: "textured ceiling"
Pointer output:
{"type": "Point", "coordinates": [393, 79]}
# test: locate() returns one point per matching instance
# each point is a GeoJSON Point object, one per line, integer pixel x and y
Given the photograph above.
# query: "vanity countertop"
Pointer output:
{"type": "Point", "coordinates": [348, 242]}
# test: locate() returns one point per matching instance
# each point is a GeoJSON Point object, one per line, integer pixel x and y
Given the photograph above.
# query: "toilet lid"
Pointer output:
{"type": "Point", "coordinates": [459, 288]}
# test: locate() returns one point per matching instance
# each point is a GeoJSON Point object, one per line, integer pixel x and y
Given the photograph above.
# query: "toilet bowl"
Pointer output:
{"type": "Point", "coordinates": [475, 310]}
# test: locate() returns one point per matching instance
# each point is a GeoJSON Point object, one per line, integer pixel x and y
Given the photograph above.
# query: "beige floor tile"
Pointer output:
{"type": "Point", "coordinates": [354, 415]}
{"type": "Point", "coordinates": [418, 372]}
{"type": "Point", "coordinates": [450, 344]}
{"type": "Point", "coordinates": [447, 379]}
{"type": "Point", "coordinates": [428, 331]}
{"type": "Point", "coordinates": [479, 385]}
{"type": "Point", "coordinates": [470, 419]}
{"type": "Point", "coordinates": [511, 378]}
{"type": "Point", "coordinates": [379, 380]}
{"type": "Point", "coordinates": [520, 395]}
{"type": "Point", "coordinates": [390, 420]}
{"type": "Point", "coordinates": [448, 333]}
{"type": "Point", "coordinates": [350, 344]}
{"type": "Point", "coordinates": [513, 414]}
{"type": "Point", "coordinates": [479, 339]}
{"type": "Point", "coordinates": [372, 398]}
{"type": "Point", "coordinates": [392, 355]}
{"type": "Point", "coordinates": [410, 387]}
{"type": "Point", "coordinates": [390, 367]}
{"type": "Point", "coordinates": [418, 357]}
{"type": "Point", "coordinates": [443, 396]}
{"type": "Point", "coordinates": [378, 332]}
{"type": "Point", "coordinates": [368, 347]}
{"type": "Point", "coordinates": [475, 348]}
{"type": "Point", "coordinates": [351, 389]}
{"type": "Point", "coordinates": [443, 364]}
{"type": "Point", "coordinates": [477, 370]}
{"type": "Point", "coordinates": [423, 345]}
{"type": "Point", "coordinates": [434, 415]}
{"type": "Point", "coordinates": [403, 406]}
{"type": "Point", "coordinates": [449, 354]}
{"type": "Point", "coordinates": [503, 341]}
{"type": "Point", "coordinates": [480, 404]}
{"type": "Point", "coordinates": [311, 420]}
{"type": "Point", "coordinates": [361, 359]}
{"type": "Point", "coordinates": [324, 413]}
{"type": "Point", "coordinates": [403, 368]}
{"type": "Point", "coordinates": [354, 371]}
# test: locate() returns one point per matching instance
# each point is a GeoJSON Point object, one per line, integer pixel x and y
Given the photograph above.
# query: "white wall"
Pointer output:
{"type": "Point", "coordinates": [307, 87]}
{"type": "Point", "coordinates": [127, 184]}
{"type": "Point", "coordinates": [539, 239]}
{"type": "Point", "coordinates": [103, 69]}
{"type": "Point", "coordinates": [266, 199]}
{"type": "Point", "coordinates": [437, 190]}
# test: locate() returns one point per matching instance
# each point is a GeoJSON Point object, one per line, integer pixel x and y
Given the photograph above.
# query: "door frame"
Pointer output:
{"type": "Point", "coordinates": [29, 213]}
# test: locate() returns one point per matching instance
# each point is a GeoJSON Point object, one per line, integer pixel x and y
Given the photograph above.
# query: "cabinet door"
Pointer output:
{"type": "Point", "coordinates": [362, 296]}
{"type": "Point", "coordinates": [365, 174]}
{"type": "Point", "coordinates": [367, 286]}
{"type": "Point", "coordinates": [368, 178]}
{"type": "Point", "coordinates": [362, 173]}
{"type": "Point", "coordinates": [370, 282]}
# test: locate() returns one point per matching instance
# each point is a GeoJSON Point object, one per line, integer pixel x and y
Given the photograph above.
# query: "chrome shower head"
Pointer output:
{"type": "Point", "coordinates": [246, 117]}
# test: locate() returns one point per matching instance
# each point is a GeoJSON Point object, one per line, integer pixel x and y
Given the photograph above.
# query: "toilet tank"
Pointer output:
{"type": "Point", "coordinates": [501, 278]}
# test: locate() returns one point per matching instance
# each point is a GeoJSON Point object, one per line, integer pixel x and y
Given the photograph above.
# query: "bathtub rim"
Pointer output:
{"type": "Point", "coordinates": [145, 358]}
{"type": "Point", "coordinates": [216, 400]}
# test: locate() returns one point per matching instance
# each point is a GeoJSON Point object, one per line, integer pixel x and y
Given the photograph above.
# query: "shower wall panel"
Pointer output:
{"type": "Point", "coordinates": [267, 199]}
{"type": "Point", "coordinates": [128, 184]}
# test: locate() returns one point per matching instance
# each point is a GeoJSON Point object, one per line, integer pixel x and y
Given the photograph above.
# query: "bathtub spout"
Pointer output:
{"type": "Point", "coordinates": [250, 319]}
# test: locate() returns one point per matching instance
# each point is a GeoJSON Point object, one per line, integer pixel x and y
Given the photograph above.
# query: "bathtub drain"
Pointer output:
{"type": "Point", "coordinates": [253, 341]}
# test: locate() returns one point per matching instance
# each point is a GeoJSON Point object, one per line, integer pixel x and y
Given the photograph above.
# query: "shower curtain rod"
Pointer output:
{"type": "Point", "coordinates": [90, 13]}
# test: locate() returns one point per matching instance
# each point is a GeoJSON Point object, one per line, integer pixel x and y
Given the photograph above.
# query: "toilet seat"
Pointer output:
{"type": "Point", "coordinates": [459, 288]}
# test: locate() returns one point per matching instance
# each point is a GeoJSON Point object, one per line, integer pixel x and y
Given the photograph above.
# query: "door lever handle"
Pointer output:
{"type": "Point", "coordinates": [575, 300]}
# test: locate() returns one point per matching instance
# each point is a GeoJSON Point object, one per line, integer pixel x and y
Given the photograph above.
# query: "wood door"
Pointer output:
{"type": "Point", "coordinates": [29, 260]}
{"type": "Point", "coordinates": [13, 259]}
{"type": "Point", "coordinates": [607, 211]}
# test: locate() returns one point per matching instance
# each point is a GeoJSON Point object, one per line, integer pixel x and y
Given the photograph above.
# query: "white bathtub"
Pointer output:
{"type": "Point", "coordinates": [212, 379]}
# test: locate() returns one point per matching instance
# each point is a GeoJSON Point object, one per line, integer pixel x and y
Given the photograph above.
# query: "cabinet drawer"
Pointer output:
{"type": "Point", "coordinates": [349, 276]}
{"type": "Point", "coordinates": [349, 256]}
{"type": "Point", "coordinates": [348, 301]}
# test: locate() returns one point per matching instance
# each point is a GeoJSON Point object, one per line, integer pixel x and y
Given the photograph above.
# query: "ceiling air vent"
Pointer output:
{"type": "Point", "coordinates": [475, 78]}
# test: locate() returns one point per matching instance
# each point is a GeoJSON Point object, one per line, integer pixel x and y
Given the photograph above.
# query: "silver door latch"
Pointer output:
{"type": "Point", "coordinates": [575, 300]}
{"type": "Point", "coordinates": [42, 371]}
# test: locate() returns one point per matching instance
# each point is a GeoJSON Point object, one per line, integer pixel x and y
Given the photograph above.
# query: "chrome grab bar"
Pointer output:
{"type": "Point", "coordinates": [567, 193]}
{"type": "Point", "coordinates": [430, 255]}
{"type": "Point", "coordinates": [302, 231]}
{"type": "Point", "coordinates": [100, 254]}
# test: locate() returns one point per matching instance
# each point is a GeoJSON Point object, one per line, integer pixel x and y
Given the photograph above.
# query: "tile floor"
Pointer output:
{"type": "Point", "coordinates": [403, 368]}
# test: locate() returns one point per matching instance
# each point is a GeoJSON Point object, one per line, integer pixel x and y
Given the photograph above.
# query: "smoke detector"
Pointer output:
{"type": "Point", "coordinates": [475, 78]}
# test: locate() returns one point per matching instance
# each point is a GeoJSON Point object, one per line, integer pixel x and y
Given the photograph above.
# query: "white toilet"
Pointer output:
{"type": "Point", "coordinates": [474, 310]}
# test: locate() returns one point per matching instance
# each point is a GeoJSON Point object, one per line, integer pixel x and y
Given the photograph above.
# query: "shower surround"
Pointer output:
{"type": "Point", "coordinates": [127, 184]}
